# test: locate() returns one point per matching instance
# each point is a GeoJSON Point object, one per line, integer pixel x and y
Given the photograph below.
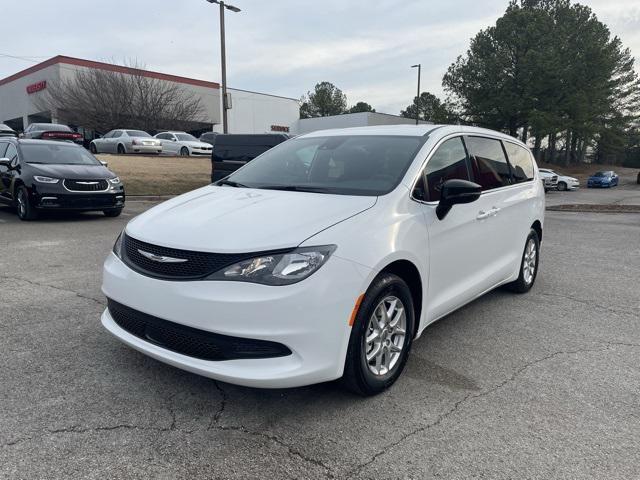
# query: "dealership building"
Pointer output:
{"type": "Point", "coordinates": [21, 97]}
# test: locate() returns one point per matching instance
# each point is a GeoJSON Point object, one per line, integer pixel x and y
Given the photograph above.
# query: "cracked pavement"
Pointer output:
{"type": "Point", "coordinates": [543, 385]}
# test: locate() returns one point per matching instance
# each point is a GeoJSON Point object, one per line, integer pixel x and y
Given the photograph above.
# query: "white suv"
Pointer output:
{"type": "Point", "coordinates": [328, 255]}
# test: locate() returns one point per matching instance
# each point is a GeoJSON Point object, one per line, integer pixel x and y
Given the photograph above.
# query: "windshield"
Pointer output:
{"type": "Point", "coordinates": [345, 165]}
{"type": "Point", "coordinates": [52, 127]}
{"type": "Point", "coordinates": [137, 133]}
{"type": "Point", "coordinates": [60, 154]}
{"type": "Point", "coordinates": [185, 137]}
{"type": "Point", "coordinates": [600, 174]}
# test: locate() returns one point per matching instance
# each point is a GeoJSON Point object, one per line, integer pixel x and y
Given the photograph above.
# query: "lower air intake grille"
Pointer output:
{"type": "Point", "coordinates": [192, 341]}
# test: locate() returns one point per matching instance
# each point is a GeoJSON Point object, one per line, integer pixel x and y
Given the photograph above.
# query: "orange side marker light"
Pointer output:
{"type": "Point", "coordinates": [354, 312]}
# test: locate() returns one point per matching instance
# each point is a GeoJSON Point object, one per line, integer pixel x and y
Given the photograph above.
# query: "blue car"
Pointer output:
{"type": "Point", "coordinates": [603, 179]}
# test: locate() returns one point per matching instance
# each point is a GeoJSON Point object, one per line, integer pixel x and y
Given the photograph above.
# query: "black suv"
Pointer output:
{"type": "Point", "coordinates": [38, 175]}
{"type": "Point", "coordinates": [232, 151]}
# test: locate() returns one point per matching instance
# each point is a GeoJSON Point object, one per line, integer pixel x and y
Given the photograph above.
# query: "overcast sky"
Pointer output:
{"type": "Point", "coordinates": [283, 47]}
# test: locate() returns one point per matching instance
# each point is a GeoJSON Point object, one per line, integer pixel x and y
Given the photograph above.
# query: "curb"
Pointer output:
{"type": "Point", "coordinates": [594, 208]}
{"type": "Point", "coordinates": [148, 198]}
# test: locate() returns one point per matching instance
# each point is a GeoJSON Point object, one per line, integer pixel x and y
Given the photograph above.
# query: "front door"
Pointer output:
{"type": "Point", "coordinates": [460, 243]}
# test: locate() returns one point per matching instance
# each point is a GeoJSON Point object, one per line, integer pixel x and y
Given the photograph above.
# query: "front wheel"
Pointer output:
{"type": "Point", "coordinates": [562, 186]}
{"type": "Point", "coordinates": [528, 265]}
{"type": "Point", "coordinates": [121, 149]}
{"type": "Point", "coordinates": [184, 152]}
{"type": "Point", "coordinates": [381, 336]}
{"type": "Point", "coordinates": [26, 211]}
{"type": "Point", "coordinates": [93, 149]}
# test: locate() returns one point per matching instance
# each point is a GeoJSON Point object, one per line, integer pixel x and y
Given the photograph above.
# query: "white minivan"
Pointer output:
{"type": "Point", "coordinates": [326, 256]}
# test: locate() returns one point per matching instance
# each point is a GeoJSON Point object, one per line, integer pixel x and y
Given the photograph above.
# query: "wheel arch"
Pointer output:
{"type": "Point", "coordinates": [408, 271]}
{"type": "Point", "coordinates": [537, 226]}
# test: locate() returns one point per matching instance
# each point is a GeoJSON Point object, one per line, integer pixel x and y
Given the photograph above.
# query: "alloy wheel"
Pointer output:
{"type": "Point", "coordinates": [529, 261]}
{"type": "Point", "coordinates": [22, 205]}
{"type": "Point", "coordinates": [385, 336]}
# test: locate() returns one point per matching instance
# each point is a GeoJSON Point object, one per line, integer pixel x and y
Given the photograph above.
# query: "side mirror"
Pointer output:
{"type": "Point", "coordinates": [104, 164]}
{"type": "Point", "coordinates": [5, 162]}
{"type": "Point", "coordinates": [456, 191]}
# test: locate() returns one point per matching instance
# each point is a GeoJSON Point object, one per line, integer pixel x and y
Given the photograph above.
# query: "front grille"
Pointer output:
{"type": "Point", "coordinates": [197, 265]}
{"type": "Point", "coordinates": [191, 341]}
{"type": "Point", "coordinates": [86, 185]}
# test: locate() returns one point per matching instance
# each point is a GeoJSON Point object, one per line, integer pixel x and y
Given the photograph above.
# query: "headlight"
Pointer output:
{"type": "Point", "coordinates": [40, 179]}
{"type": "Point", "coordinates": [277, 269]}
{"type": "Point", "coordinates": [117, 247]}
{"type": "Point", "coordinates": [115, 181]}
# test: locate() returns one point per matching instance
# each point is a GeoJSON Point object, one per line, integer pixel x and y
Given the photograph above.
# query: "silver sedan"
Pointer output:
{"type": "Point", "coordinates": [126, 141]}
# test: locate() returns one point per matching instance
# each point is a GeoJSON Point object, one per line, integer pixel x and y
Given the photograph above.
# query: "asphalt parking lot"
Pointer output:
{"type": "Point", "coordinates": [543, 385]}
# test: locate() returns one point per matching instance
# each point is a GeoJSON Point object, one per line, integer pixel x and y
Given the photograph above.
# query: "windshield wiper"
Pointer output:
{"type": "Point", "coordinates": [294, 188]}
{"type": "Point", "coordinates": [231, 183]}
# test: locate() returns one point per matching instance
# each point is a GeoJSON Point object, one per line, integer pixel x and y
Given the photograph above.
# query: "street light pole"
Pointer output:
{"type": "Point", "coordinates": [418, 96]}
{"type": "Point", "coordinates": [223, 61]}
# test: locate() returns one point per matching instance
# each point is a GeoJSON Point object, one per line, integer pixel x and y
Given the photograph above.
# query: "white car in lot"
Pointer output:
{"type": "Point", "coordinates": [183, 144]}
{"type": "Point", "coordinates": [328, 255]}
{"type": "Point", "coordinates": [124, 141]}
{"type": "Point", "coordinates": [564, 182]}
{"type": "Point", "coordinates": [549, 180]}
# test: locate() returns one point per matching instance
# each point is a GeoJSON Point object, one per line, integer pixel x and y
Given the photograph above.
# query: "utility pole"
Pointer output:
{"type": "Point", "coordinates": [223, 61]}
{"type": "Point", "coordinates": [419, 66]}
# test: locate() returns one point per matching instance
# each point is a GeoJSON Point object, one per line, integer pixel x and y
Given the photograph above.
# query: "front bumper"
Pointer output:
{"type": "Point", "coordinates": [200, 151]}
{"type": "Point", "coordinates": [56, 197]}
{"type": "Point", "coordinates": [310, 318]}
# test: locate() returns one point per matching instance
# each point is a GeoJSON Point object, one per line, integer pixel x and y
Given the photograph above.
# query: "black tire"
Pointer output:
{"type": "Point", "coordinates": [115, 212]}
{"type": "Point", "coordinates": [357, 376]}
{"type": "Point", "coordinates": [26, 211]}
{"type": "Point", "coordinates": [93, 149]}
{"type": "Point", "coordinates": [121, 149]}
{"type": "Point", "coordinates": [523, 284]}
{"type": "Point", "coordinates": [184, 152]}
{"type": "Point", "coordinates": [562, 186]}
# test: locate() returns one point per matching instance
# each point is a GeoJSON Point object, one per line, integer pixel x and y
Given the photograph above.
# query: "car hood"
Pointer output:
{"type": "Point", "coordinates": [73, 172]}
{"type": "Point", "coordinates": [227, 219]}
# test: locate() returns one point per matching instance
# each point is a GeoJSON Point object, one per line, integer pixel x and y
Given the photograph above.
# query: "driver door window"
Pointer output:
{"type": "Point", "coordinates": [450, 161]}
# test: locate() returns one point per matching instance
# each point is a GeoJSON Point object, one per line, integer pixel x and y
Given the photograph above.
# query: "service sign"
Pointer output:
{"type": "Point", "coordinates": [36, 87]}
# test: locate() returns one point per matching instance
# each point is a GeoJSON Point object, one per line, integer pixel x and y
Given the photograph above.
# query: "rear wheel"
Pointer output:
{"type": "Point", "coordinates": [112, 213]}
{"type": "Point", "coordinates": [121, 149]}
{"type": "Point", "coordinates": [184, 152]}
{"type": "Point", "coordinates": [26, 211]}
{"type": "Point", "coordinates": [381, 336]}
{"type": "Point", "coordinates": [528, 265]}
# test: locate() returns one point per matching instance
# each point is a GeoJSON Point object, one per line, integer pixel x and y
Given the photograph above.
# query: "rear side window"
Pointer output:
{"type": "Point", "coordinates": [448, 162]}
{"type": "Point", "coordinates": [521, 162]}
{"type": "Point", "coordinates": [490, 167]}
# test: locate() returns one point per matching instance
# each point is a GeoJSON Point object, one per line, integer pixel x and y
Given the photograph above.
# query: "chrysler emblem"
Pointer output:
{"type": "Point", "coordinates": [161, 258]}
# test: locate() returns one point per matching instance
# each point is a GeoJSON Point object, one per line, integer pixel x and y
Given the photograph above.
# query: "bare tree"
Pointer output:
{"type": "Point", "coordinates": [103, 100]}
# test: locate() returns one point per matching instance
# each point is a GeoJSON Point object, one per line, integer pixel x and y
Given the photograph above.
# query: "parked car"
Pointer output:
{"type": "Point", "coordinates": [549, 180]}
{"type": "Point", "coordinates": [52, 131]}
{"type": "Point", "coordinates": [183, 144]}
{"type": "Point", "coordinates": [37, 175]}
{"type": "Point", "coordinates": [124, 141]}
{"type": "Point", "coordinates": [232, 151]}
{"type": "Point", "coordinates": [328, 255]}
{"type": "Point", "coordinates": [603, 179]}
{"type": "Point", "coordinates": [564, 182]}
{"type": "Point", "coordinates": [7, 131]}
{"type": "Point", "coordinates": [208, 137]}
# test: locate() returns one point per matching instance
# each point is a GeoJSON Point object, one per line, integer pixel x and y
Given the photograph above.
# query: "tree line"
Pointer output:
{"type": "Point", "coordinates": [548, 72]}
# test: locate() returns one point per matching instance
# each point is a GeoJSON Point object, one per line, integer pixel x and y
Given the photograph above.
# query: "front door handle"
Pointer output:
{"type": "Point", "coordinates": [482, 215]}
